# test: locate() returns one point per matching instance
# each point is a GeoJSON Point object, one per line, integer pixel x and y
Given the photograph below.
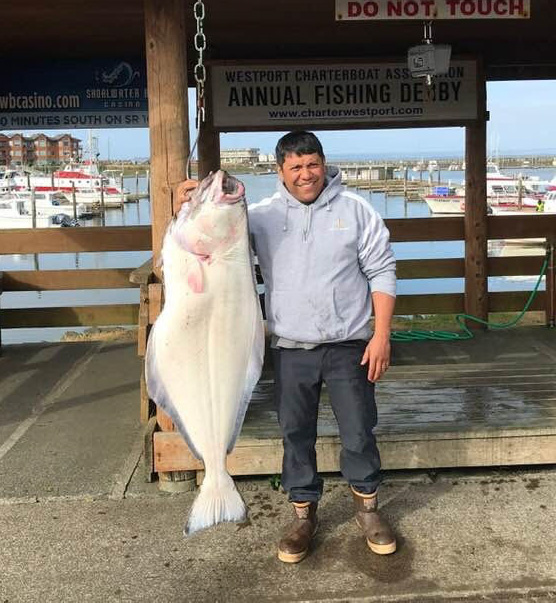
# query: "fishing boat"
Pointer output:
{"type": "Point", "coordinates": [85, 176]}
{"type": "Point", "coordinates": [14, 214]}
{"type": "Point", "coordinates": [47, 203]}
{"type": "Point", "coordinates": [503, 192]}
{"type": "Point", "coordinates": [93, 198]}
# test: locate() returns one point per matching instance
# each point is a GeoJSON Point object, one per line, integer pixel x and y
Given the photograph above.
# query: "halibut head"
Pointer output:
{"type": "Point", "coordinates": [205, 351]}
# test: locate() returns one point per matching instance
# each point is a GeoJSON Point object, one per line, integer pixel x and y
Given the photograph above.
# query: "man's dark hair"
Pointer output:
{"type": "Point", "coordinates": [298, 143]}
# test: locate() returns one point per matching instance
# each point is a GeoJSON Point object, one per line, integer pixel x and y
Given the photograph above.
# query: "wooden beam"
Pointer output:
{"type": "Point", "coordinates": [410, 451]}
{"type": "Point", "coordinates": [74, 316]}
{"type": "Point", "coordinates": [426, 229]}
{"type": "Point", "coordinates": [168, 113]}
{"type": "Point", "coordinates": [514, 301]}
{"type": "Point", "coordinates": [444, 303]}
{"type": "Point", "coordinates": [56, 280]}
{"type": "Point", "coordinates": [64, 240]}
{"type": "Point", "coordinates": [522, 227]}
{"type": "Point", "coordinates": [437, 268]}
{"type": "Point", "coordinates": [515, 266]}
{"type": "Point", "coordinates": [139, 238]}
{"type": "Point", "coordinates": [475, 218]}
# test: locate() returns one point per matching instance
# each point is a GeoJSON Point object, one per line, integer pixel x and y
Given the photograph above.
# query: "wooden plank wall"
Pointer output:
{"type": "Point", "coordinates": [139, 239]}
{"type": "Point", "coordinates": [71, 240]}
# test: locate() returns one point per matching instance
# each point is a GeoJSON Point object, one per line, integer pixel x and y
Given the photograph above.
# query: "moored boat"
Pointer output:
{"type": "Point", "coordinates": [14, 214]}
{"type": "Point", "coordinates": [80, 177]}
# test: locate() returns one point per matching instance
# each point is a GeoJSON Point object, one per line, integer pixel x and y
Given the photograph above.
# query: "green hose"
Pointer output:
{"type": "Point", "coordinates": [460, 319]}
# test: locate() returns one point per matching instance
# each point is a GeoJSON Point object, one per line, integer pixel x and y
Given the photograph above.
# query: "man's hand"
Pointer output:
{"type": "Point", "coordinates": [183, 192]}
{"type": "Point", "coordinates": [377, 356]}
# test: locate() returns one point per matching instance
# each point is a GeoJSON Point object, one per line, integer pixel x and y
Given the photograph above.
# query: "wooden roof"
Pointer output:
{"type": "Point", "coordinates": [254, 29]}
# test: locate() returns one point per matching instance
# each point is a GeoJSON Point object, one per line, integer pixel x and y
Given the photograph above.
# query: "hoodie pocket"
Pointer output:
{"type": "Point", "coordinates": [312, 318]}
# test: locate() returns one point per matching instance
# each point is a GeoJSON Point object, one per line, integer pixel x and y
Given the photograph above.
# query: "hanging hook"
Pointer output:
{"type": "Point", "coordinates": [427, 32]}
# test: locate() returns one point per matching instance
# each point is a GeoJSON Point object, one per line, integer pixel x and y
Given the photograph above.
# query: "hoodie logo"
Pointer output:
{"type": "Point", "coordinates": [339, 224]}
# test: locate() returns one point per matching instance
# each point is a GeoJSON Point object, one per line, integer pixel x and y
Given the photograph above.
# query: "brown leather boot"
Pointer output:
{"type": "Point", "coordinates": [298, 534]}
{"type": "Point", "coordinates": [379, 535]}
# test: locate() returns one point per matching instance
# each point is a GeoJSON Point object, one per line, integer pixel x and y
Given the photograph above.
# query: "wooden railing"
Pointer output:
{"type": "Point", "coordinates": [138, 238]}
{"type": "Point", "coordinates": [71, 240]}
{"type": "Point", "coordinates": [537, 226]}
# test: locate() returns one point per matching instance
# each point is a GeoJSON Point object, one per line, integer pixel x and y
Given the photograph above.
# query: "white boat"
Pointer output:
{"type": "Point", "coordinates": [93, 198]}
{"type": "Point", "coordinates": [47, 203]}
{"type": "Point", "coordinates": [81, 177]}
{"type": "Point", "coordinates": [502, 192]}
{"type": "Point", "coordinates": [13, 214]}
{"type": "Point", "coordinates": [549, 202]}
{"type": "Point", "coordinates": [551, 186]}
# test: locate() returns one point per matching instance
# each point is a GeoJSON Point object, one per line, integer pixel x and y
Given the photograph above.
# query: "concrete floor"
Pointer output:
{"type": "Point", "coordinates": [78, 523]}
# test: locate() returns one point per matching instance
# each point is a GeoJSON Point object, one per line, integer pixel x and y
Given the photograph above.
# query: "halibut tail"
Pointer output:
{"type": "Point", "coordinates": [218, 500]}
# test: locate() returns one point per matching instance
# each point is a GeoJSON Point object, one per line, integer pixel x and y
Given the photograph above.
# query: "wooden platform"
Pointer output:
{"type": "Point", "coordinates": [484, 402]}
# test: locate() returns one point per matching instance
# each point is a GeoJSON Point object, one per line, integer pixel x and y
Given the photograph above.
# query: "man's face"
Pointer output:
{"type": "Point", "coordinates": [303, 176]}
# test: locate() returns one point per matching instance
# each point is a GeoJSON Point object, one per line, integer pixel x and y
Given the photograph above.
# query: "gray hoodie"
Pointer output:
{"type": "Point", "coordinates": [320, 263]}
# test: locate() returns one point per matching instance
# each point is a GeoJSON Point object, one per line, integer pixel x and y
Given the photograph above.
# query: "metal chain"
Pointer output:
{"type": "Point", "coordinates": [200, 71]}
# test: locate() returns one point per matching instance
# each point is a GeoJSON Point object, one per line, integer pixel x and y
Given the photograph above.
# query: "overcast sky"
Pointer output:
{"type": "Point", "coordinates": [522, 121]}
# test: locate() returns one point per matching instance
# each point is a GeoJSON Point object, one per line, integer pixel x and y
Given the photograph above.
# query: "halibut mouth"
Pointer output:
{"type": "Point", "coordinates": [229, 184]}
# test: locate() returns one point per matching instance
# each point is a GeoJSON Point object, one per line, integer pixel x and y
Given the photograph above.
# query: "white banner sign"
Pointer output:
{"type": "Point", "coordinates": [286, 96]}
{"type": "Point", "coordinates": [82, 119]}
{"type": "Point", "coordinates": [350, 10]}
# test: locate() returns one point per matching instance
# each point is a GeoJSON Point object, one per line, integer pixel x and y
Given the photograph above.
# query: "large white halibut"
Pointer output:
{"type": "Point", "coordinates": [205, 351]}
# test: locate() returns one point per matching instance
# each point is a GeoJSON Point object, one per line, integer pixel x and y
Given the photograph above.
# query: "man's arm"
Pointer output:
{"type": "Point", "coordinates": [377, 352]}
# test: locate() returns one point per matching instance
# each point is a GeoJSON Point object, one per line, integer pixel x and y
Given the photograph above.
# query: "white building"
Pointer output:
{"type": "Point", "coordinates": [239, 156]}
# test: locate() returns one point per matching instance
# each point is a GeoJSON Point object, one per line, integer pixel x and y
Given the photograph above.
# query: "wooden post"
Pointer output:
{"type": "Point", "coordinates": [169, 136]}
{"type": "Point", "coordinates": [475, 219]}
{"type": "Point", "coordinates": [209, 139]}
{"type": "Point", "coordinates": [168, 113]}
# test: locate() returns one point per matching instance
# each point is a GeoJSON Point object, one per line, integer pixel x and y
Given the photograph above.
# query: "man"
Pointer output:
{"type": "Point", "coordinates": [326, 262]}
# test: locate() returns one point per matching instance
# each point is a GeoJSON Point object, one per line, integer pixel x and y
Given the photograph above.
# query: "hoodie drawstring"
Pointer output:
{"type": "Point", "coordinates": [308, 220]}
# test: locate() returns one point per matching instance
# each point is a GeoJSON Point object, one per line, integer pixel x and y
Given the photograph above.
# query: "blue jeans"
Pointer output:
{"type": "Point", "coordinates": [299, 375]}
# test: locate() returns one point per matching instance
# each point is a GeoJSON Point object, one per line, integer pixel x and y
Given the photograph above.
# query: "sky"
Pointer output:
{"type": "Point", "coordinates": [522, 121]}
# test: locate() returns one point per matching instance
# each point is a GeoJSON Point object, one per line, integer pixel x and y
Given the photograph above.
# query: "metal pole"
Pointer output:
{"type": "Point", "coordinates": [74, 200]}
{"type": "Point", "coordinates": [136, 186]}
{"type": "Point", "coordinates": [122, 187]}
{"type": "Point", "coordinates": [33, 209]}
{"type": "Point", "coordinates": [102, 206]}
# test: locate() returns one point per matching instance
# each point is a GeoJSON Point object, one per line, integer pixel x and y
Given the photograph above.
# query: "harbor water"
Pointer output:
{"type": "Point", "coordinates": [257, 187]}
